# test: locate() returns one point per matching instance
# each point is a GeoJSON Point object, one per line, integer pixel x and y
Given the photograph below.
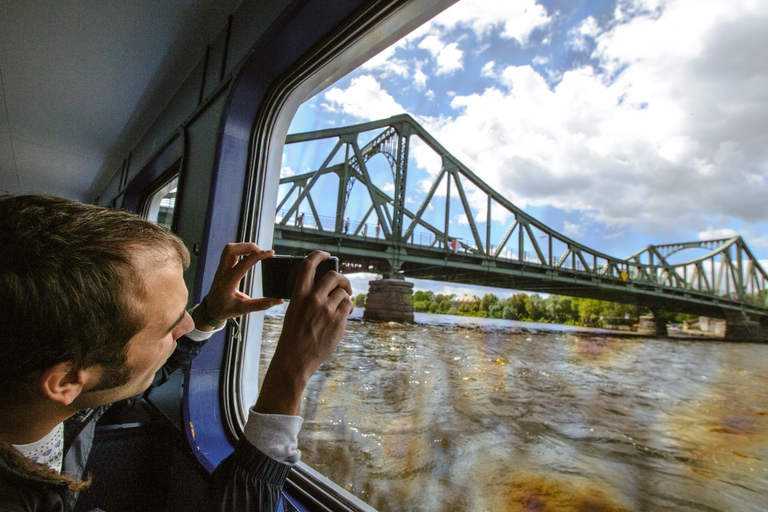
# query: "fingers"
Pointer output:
{"type": "Point", "coordinates": [342, 302]}
{"type": "Point", "coordinates": [224, 298]}
{"type": "Point", "coordinates": [232, 252]}
{"type": "Point", "coordinates": [305, 280]}
{"type": "Point", "coordinates": [237, 258]}
{"type": "Point", "coordinates": [328, 284]}
{"type": "Point", "coordinates": [251, 305]}
{"type": "Point", "coordinates": [332, 281]}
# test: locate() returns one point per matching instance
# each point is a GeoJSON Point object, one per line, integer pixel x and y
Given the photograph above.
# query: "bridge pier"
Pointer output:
{"type": "Point", "coordinates": [389, 300]}
{"type": "Point", "coordinates": [653, 324]}
{"type": "Point", "coordinates": [746, 330]}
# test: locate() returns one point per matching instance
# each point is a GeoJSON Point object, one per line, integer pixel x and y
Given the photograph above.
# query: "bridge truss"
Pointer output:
{"type": "Point", "coordinates": [525, 254]}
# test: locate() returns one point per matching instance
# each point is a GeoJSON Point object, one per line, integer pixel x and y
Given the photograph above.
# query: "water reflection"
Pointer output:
{"type": "Point", "coordinates": [489, 416]}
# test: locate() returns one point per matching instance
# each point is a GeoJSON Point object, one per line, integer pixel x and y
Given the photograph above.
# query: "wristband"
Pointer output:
{"type": "Point", "coordinates": [208, 320]}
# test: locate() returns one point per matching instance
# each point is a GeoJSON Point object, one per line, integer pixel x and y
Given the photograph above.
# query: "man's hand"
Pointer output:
{"type": "Point", "coordinates": [224, 300]}
{"type": "Point", "coordinates": [314, 322]}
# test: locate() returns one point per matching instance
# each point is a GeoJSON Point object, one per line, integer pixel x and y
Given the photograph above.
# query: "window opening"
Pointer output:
{"type": "Point", "coordinates": [507, 391]}
{"type": "Point", "coordinates": [160, 205]}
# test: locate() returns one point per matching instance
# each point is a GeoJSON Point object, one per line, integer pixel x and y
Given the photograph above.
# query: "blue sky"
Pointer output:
{"type": "Point", "coordinates": [617, 123]}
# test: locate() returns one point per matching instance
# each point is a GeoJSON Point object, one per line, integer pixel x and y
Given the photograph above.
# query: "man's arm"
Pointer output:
{"type": "Point", "coordinates": [314, 322]}
{"type": "Point", "coordinates": [249, 479]}
{"type": "Point", "coordinates": [224, 301]}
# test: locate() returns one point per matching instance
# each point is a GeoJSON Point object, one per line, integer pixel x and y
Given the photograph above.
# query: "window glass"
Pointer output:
{"type": "Point", "coordinates": [616, 125]}
{"type": "Point", "coordinates": [160, 206]}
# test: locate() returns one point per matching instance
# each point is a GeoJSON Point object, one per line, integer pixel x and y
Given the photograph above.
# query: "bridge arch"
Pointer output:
{"type": "Point", "coordinates": [524, 254]}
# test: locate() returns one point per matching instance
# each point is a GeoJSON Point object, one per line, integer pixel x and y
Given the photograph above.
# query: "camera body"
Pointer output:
{"type": "Point", "coordinates": [279, 273]}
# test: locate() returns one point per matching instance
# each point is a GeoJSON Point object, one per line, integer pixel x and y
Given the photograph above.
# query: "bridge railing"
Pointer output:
{"type": "Point", "coordinates": [326, 223]}
{"type": "Point", "coordinates": [729, 271]}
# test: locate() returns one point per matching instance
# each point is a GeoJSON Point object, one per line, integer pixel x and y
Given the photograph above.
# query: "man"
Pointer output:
{"type": "Point", "coordinates": [94, 312]}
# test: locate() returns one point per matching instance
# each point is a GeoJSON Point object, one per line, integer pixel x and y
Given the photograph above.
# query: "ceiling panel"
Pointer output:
{"type": "Point", "coordinates": [82, 80]}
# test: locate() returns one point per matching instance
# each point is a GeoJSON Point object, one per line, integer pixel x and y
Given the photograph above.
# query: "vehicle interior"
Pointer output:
{"type": "Point", "coordinates": [178, 111]}
{"type": "Point", "coordinates": [596, 168]}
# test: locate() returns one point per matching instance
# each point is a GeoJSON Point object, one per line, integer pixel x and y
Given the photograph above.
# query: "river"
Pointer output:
{"type": "Point", "coordinates": [471, 414]}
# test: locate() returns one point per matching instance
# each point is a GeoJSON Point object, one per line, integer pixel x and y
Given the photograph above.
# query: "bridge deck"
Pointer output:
{"type": "Point", "coordinates": [423, 262]}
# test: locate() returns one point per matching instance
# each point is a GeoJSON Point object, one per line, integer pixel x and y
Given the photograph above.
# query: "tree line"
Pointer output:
{"type": "Point", "coordinates": [533, 308]}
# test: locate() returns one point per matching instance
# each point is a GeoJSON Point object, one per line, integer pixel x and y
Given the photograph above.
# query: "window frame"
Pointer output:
{"type": "Point", "coordinates": [164, 180]}
{"type": "Point", "coordinates": [169, 161]}
{"type": "Point", "coordinates": [309, 48]}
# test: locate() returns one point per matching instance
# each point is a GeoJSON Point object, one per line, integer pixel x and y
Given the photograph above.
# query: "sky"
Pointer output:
{"type": "Point", "coordinates": [619, 123]}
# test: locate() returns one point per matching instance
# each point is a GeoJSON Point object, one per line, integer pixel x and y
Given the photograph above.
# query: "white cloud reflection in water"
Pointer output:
{"type": "Point", "coordinates": [490, 415]}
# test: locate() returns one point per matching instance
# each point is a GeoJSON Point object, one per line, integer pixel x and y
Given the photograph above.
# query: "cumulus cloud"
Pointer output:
{"type": "Point", "coordinates": [488, 69]}
{"type": "Point", "coordinates": [426, 158]}
{"type": "Point", "coordinates": [717, 234]}
{"type": "Point", "coordinates": [448, 57]}
{"type": "Point", "coordinates": [572, 230]}
{"type": "Point", "coordinates": [579, 36]}
{"type": "Point", "coordinates": [669, 127]}
{"type": "Point", "coordinates": [386, 63]}
{"type": "Point", "coordinates": [516, 20]}
{"type": "Point", "coordinates": [663, 126]}
{"type": "Point", "coordinates": [419, 77]}
{"type": "Point", "coordinates": [364, 99]}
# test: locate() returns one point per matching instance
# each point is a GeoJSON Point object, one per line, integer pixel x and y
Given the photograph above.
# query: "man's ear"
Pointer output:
{"type": "Point", "coordinates": [61, 383]}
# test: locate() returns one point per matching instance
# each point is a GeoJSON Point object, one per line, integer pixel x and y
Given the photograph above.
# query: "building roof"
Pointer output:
{"type": "Point", "coordinates": [466, 298]}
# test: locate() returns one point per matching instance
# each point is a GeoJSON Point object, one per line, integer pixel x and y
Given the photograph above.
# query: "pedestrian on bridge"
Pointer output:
{"type": "Point", "coordinates": [346, 225]}
{"type": "Point", "coordinates": [377, 230]}
{"type": "Point", "coordinates": [365, 229]}
{"type": "Point", "coordinates": [300, 221]}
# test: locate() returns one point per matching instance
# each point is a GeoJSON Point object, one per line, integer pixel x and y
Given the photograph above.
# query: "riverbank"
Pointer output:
{"type": "Point", "coordinates": [522, 325]}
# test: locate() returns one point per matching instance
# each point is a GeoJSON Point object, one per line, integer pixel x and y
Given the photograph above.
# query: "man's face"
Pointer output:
{"type": "Point", "coordinates": [164, 308]}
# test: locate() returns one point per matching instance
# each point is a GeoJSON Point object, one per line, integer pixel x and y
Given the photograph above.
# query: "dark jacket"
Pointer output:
{"type": "Point", "coordinates": [246, 480]}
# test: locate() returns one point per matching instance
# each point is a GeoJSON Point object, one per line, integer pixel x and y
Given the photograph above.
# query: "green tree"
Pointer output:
{"type": "Point", "coordinates": [590, 310]}
{"type": "Point", "coordinates": [489, 300]}
{"type": "Point", "coordinates": [533, 307]}
{"type": "Point", "coordinates": [518, 304]}
{"type": "Point", "coordinates": [360, 300]}
{"type": "Point", "coordinates": [421, 306]}
{"type": "Point", "coordinates": [423, 296]}
{"type": "Point", "coordinates": [508, 313]}
{"type": "Point", "coordinates": [565, 309]}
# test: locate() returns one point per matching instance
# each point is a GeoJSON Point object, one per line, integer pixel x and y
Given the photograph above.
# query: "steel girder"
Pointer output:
{"type": "Point", "coordinates": [728, 272]}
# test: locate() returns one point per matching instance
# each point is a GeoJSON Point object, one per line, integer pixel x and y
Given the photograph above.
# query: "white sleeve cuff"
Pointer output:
{"type": "Point", "coordinates": [196, 335]}
{"type": "Point", "coordinates": [275, 435]}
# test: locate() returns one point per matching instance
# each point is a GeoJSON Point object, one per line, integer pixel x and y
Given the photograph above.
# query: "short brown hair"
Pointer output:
{"type": "Point", "coordinates": [69, 284]}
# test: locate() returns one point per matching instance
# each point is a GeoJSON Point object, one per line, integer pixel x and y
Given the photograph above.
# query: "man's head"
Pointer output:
{"type": "Point", "coordinates": [75, 281]}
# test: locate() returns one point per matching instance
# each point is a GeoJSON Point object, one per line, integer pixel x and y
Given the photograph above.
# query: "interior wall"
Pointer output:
{"type": "Point", "coordinates": [200, 90]}
{"type": "Point", "coordinates": [195, 112]}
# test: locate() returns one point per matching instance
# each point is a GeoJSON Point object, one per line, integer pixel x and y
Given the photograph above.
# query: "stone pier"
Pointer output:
{"type": "Point", "coordinates": [652, 324]}
{"type": "Point", "coordinates": [745, 330]}
{"type": "Point", "coordinates": [389, 300]}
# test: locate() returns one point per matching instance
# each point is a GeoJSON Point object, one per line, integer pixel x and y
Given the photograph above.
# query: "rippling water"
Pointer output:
{"type": "Point", "coordinates": [460, 414]}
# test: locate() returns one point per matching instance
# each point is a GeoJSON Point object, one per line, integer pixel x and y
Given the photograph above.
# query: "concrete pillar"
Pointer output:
{"type": "Point", "coordinates": [389, 300]}
{"type": "Point", "coordinates": [653, 325]}
{"type": "Point", "coordinates": [745, 330]}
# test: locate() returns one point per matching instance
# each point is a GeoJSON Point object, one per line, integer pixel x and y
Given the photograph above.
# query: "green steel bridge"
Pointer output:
{"type": "Point", "coordinates": [392, 234]}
